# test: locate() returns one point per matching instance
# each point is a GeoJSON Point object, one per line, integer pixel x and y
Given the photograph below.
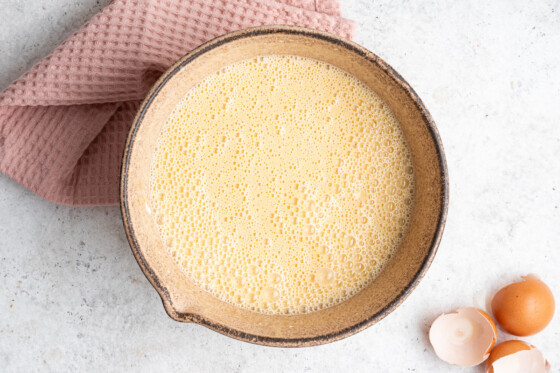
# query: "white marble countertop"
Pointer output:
{"type": "Point", "coordinates": [72, 297]}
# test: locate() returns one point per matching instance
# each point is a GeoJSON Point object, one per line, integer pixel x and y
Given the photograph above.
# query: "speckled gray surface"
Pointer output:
{"type": "Point", "coordinates": [72, 298]}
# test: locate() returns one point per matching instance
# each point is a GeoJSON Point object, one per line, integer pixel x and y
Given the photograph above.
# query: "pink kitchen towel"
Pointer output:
{"type": "Point", "coordinates": [63, 124]}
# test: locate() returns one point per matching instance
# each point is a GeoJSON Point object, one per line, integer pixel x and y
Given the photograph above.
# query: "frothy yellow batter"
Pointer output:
{"type": "Point", "coordinates": [282, 184]}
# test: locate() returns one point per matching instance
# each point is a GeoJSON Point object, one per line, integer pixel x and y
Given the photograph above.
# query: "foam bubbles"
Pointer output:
{"type": "Point", "coordinates": [281, 184]}
{"type": "Point", "coordinates": [324, 276]}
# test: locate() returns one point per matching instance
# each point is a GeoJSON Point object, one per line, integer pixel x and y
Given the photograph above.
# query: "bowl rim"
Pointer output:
{"type": "Point", "coordinates": [224, 329]}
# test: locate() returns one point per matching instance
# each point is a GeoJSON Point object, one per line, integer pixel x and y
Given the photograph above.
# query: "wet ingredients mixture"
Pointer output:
{"type": "Point", "coordinates": [282, 184]}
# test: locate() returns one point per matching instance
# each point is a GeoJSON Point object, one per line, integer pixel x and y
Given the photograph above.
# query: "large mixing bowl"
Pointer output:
{"type": "Point", "coordinates": [182, 298]}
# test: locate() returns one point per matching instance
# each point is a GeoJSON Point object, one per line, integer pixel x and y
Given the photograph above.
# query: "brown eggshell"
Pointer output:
{"type": "Point", "coordinates": [464, 337]}
{"type": "Point", "coordinates": [516, 357]}
{"type": "Point", "coordinates": [505, 349]}
{"type": "Point", "coordinates": [524, 308]}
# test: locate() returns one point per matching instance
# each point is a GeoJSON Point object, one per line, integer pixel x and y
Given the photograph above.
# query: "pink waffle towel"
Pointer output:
{"type": "Point", "coordinates": [64, 123]}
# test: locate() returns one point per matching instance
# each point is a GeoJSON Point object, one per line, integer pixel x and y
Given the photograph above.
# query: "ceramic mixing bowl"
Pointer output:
{"type": "Point", "coordinates": [185, 301]}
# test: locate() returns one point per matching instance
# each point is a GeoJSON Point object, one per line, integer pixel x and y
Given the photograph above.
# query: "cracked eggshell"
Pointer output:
{"type": "Point", "coordinates": [464, 337]}
{"type": "Point", "coordinates": [516, 357]}
{"type": "Point", "coordinates": [524, 308]}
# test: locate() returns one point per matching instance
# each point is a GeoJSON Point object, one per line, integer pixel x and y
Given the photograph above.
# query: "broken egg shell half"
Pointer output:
{"type": "Point", "coordinates": [524, 308]}
{"type": "Point", "coordinates": [464, 337]}
{"type": "Point", "coordinates": [516, 357]}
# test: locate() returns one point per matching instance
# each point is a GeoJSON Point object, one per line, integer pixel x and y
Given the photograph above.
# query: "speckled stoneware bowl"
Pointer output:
{"type": "Point", "coordinates": [182, 299]}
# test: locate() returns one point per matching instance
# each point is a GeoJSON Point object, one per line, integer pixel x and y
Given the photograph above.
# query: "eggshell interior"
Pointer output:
{"type": "Point", "coordinates": [464, 337]}
{"type": "Point", "coordinates": [525, 361]}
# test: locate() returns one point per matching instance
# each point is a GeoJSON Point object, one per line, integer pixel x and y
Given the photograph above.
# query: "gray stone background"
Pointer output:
{"type": "Point", "coordinates": [72, 298]}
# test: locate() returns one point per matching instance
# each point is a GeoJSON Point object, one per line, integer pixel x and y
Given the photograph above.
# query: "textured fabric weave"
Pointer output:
{"type": "Point", "coordinates": [64, 123]}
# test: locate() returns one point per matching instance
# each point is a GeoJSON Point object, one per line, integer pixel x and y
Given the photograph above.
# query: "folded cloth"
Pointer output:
{"type": "Point", "coordinates": [64, 123]}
